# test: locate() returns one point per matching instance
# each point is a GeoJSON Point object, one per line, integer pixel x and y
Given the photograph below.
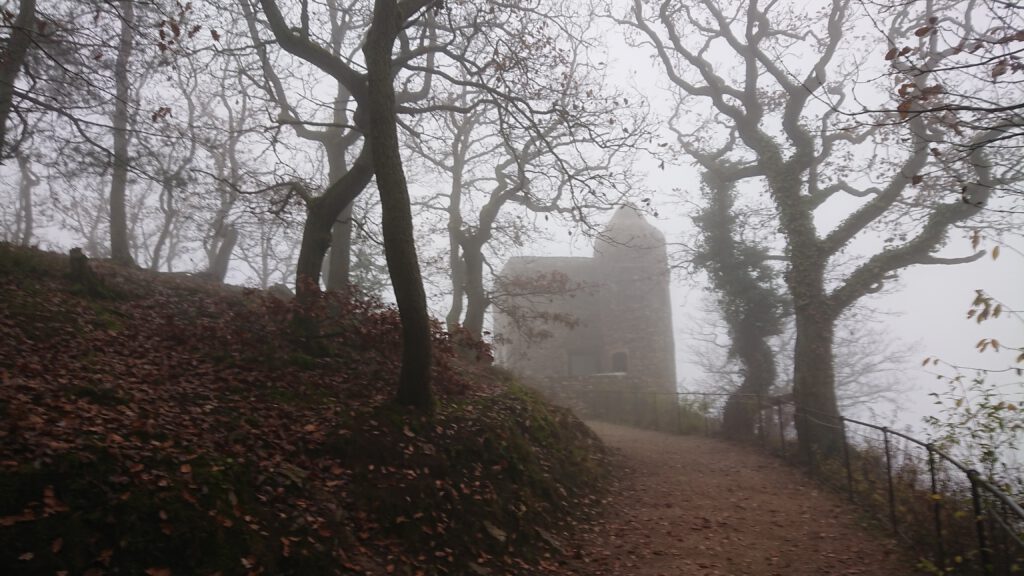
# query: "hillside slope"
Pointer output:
{"type": "Point", "coordinates": [155, 424]}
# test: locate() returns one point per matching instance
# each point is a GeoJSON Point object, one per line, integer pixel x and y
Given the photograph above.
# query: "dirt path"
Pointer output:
{"type": "Point", "coordinates": [692, 506]}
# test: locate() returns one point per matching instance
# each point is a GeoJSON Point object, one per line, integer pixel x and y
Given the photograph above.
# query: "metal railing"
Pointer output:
{"type": "Point", "coordinates": [957, 521]}
{"type": "Point", "coordinates": [955, 518]}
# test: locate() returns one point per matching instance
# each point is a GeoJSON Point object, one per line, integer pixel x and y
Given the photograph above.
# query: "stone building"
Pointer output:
{"type": "Point", "coordinates": [604, 321]}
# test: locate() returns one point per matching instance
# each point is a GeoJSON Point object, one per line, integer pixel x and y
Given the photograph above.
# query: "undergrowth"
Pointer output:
{"type": "Point", "coordinates": [937, 521]}
{"type": "Point", "coordinates": [165, 425]}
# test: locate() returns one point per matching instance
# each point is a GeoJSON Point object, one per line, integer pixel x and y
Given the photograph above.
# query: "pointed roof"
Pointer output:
{"type": "Point", "coordinates": [628, 228]}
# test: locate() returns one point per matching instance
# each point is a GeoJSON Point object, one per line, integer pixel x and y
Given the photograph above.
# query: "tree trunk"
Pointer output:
{"type": "Point", "coordinates": [477, 300]}
{"type": "Point", "coordinates": [13, 60]}
{"type": "Point", "coordinates": [25, 216]}
{"type": "Point", "coordinates": [119, 249]}
{"type": "Point", "coordinates": [814, 381]}
{"type": "Point", "coordinates": [476, 296]}
{"type": "Point", "coordinates": [218, 270]}
{"type": "Point", "coordinates": [224, 236]}
{"type": "Point", "coordinates": [321, 214]}
{"type": "Point", "coordinates": [339, 261]}
{"type": "Point", "coordinates": [739, 420]}
{"type": "Point", "coordinates": [222, 243]}
{"type": "Point", "coordinates": [399, 245]}
{"type": "Point", "coordinates": [458, 277]}
{"type": "Point", "coordinates": [167, 207]}
{"type": "Point", "coordinates": [817, 411]}
{"type": "Point", "coordinates": [339, 269]}
{"type": "Point", "coordinates": [456, 264]}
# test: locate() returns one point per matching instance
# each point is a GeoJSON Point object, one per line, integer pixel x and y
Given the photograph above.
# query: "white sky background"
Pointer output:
{"type": "Point", "coordinates": [925, 309]}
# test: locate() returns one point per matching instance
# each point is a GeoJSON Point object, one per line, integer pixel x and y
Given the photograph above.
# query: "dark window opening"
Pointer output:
{"type": "Point", "coordinates": [620, 362]}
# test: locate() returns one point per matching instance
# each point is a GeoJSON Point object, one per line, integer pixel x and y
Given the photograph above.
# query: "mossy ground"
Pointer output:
{"type": "Point", "coordinates": [163, 425]}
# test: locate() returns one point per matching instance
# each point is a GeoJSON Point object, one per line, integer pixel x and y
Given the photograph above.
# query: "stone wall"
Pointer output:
{"type": "Point", "coordinates": [619, 304]}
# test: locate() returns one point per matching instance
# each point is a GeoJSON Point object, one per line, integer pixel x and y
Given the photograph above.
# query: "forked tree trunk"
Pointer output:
{"type": "Point", "coordinates": [457, 268]}
{"type": "Point", "coordinates": [399, 245]}
{"type": "Point", "coordinates": [321, 214]}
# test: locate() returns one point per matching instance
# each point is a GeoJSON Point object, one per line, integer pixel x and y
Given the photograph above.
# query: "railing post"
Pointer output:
{"type": "Point", "coordinates": [940, 548]}
{"type": "Point", "coordinates": [979, 523]}
{"type": "Point", "coordinates": [888, 475]}
{"type": "Point", "coordinates": [846, 458]}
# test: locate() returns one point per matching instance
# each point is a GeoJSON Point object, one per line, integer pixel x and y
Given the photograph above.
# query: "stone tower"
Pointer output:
{"type": "Point", "coordinates": [636, 306]}
{"type": "Point", "coordinates": [618, 305]}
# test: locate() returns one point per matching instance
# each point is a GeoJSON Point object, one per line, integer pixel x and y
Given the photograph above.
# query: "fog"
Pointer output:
{"type": "Point", "coordinates": [828, 143]}
{"type": "Point", "coordinates": [924, 312]}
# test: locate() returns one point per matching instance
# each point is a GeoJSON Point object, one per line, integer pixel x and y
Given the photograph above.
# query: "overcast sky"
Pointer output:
{"type": "Point", "coordinates": [926, 308]}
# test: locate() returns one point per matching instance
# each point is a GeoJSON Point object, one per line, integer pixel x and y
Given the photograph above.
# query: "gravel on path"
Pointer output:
{"type": "Point", "coordinates": [694, 506]}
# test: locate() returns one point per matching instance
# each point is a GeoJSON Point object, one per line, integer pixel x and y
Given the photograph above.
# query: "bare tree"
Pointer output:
{"type": "Point", "coordinates": [374, 95]}
{"type": "Point", "coordinates": [268, 247]}
{"type": "Point", "coordinates": [82, 100]}
{"type": "Point", "coordinates": [804, 157]}
{"type": "Point", "coordinates": [518, 87]}
{"type": "Point", "coordinates": [337, 136]}
{"type": "Point", "coordinates": [499, 174]}
{"type": "Point", "coordinates": [324, 210]}
{"type": "Point", "coordinates": [870, 362]}
{"type": "Point", "coordinates": [536, 133]}
{"type": "Point", "coordinates": [222, 235]}
{"type": "Point", "coordinates": [389, 18]}
{"type": "Point", "coordinates": [967, 54]}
